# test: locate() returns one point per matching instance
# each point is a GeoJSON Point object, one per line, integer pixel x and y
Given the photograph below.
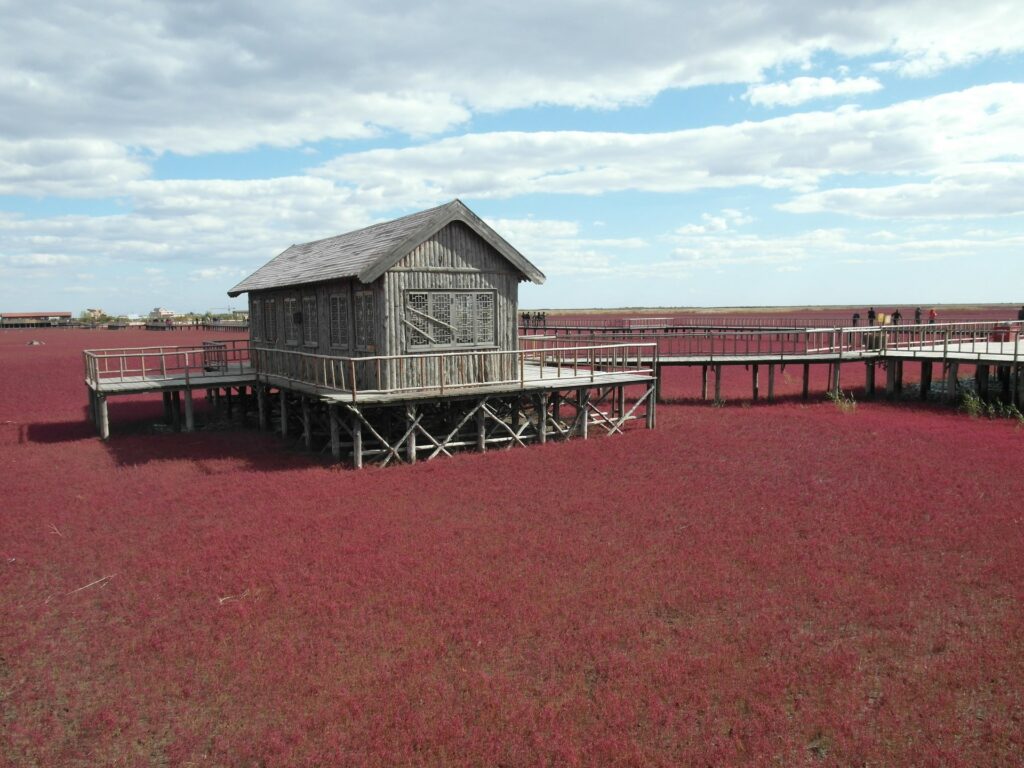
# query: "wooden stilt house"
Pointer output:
{"type": "Point", "coordinates": [437, 281]}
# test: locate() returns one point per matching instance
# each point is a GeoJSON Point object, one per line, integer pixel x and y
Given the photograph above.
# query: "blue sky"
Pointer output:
{"type": "Point", "coordinates": [641, 154]}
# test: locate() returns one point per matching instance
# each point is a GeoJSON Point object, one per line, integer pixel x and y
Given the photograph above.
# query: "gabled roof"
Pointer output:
{"type": "Point", "coordinates": [370, 252]}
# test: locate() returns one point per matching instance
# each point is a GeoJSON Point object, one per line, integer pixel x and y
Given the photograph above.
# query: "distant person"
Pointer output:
{"type": "Point", "coordinates": [917, 316]}
{"type": "Point", "coordinates": [856, 319]}
{"type": "Point", "coordinates": [932, 315]}
{"type": "Point", "coordinates": [871, 316]}
{"type": "Point", "coordinates": [896, 316]}
{"type": "Point", "coordinates": [1020, 313]}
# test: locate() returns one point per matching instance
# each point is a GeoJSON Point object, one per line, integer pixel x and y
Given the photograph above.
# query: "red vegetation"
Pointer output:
{"type": "Point", "coordinates": [783, 584]}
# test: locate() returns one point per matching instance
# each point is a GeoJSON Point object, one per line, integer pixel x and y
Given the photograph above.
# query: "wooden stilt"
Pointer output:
{"type": "Point", "coordinates": [176, 410]}
{"type": "Point", "coordinates": [410, 442]}
{"type": "Point", "coordinates": [307, 423]}
{"type": "Point", "coordinates": [657, 381]}
{"type": "Point", "coordinates": [718, 384]}
{"type": "Point", "coordinates": [167, 407]}
{"type": "Point", "coordinates": [583, 416]}
{"type": "Point", "coordinates": [890, 378]}
{"type": "Point", "coordinates": [261, 407]}
{"type": "Point", "coordinates": [332, 418]}
{"type": "Point", "coordinates": [754, 380]}
{"type": "Point", "coordinates": [703, 382]}
{"type": "Point", "coordinates": [951, 376]}
{"type": "Point", "coordinates": [542, 418]}
{"type": "Point", "coordinates": [899, 376]}
{"type": "Point", "coordinates": [834, 385]}
{"type": "Point", "coordinates": [771, 382]}
{"type": "Point", "coordinates": [104, 416]}
{"type": "Point", "coordinates": [869, 378]}
{"type": "Point", "coordinates": [229, 399]}
{"type": "Point", "coordinates": [926, 378]}
{"type": "Point", "coordinates": [190, 420]}
{"type": "Point", "coordinates": [92, 403]}
{"type": "Point", "coordinates": [357, 441]}
{"type": "Point", "coordinates": [652, 409]}
{"type": "Point", "coordinates": [981, 381]}
{"type": "Point", "coordinates": [806, 391]}
{"type": "Point", "coordinates": [481, 429]}
{"type": "Point", "coordinates": [284, 413]}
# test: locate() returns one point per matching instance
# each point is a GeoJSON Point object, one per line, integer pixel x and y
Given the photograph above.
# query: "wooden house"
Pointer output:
{"type": "Point", "coordinates": [437, 281]}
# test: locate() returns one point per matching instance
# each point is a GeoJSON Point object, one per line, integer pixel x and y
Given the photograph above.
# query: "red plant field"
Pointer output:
{"type": "Point", "coordinates": [781, 584]}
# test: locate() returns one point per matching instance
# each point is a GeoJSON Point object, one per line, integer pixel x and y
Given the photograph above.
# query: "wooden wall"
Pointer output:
{"type": "Point", "coordinates": [455, 258]}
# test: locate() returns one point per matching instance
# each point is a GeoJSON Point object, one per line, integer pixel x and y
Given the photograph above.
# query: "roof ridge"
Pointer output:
{"type": "Point", "coordinates": [378, 224]}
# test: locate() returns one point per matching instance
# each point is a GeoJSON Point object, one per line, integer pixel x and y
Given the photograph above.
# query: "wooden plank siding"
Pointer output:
{"type": "Point", "coordinates": [454, 259]}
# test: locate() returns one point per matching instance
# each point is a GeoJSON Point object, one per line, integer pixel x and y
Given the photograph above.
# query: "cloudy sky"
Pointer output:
{"type": "Point", "coordinates": [640, 153]}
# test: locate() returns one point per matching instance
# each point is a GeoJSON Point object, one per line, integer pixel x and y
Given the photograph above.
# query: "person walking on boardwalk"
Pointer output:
{"type": "Point", "coordinates": [932, 315]}
{"type": "Point", "coordinates": [896, 316]}
{"type": "Point", "coordinates": [917, 316]}
{"type": "Point", "coordinates": [871, 315]}
{"type": "Point", "coordinates": [856, 319]}
{"type": "Point", "coordinates": [1020, 313]}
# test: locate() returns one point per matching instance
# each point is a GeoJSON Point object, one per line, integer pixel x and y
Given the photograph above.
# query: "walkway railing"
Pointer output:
{"type": "Point", "coordinates": [982, 338]}
{"type": "Point", "coordinates": [449, 372]}
{"type": "Point", "coordinates": [131, 364]}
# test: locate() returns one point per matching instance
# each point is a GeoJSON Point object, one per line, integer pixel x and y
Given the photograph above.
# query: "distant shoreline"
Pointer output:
{"type": "Point", "coordinates": [765, 310]}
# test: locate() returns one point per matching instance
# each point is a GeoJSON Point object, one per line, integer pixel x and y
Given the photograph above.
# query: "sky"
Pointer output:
{"type": "Point", "coordinates": [640, 153]}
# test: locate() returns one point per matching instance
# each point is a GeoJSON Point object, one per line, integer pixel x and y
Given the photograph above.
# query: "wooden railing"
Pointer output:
{"type": "Point", "coordinates": [448, 372]}
{"type": "Point", "coordinates": [984, 338]}
{"type": "Point", "coordinates": [212, 358]}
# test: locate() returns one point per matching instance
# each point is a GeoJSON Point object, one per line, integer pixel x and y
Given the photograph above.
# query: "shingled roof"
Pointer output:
{"type": "Point", "coordinates": [369, 252]}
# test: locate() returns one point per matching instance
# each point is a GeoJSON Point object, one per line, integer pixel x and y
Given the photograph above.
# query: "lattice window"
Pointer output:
{"type": "Point", "coordinates": [449, 319]}
{"type": "Point", "coordinates": [419, 334]}
{"type": "Point", "coordinates": [309, 321]}
{"type": "Point", "coordinates": [363, 306]}
{"type": "Point", "coordinates": [339, 320]}
{"type": "Point", "coordinates": [291, 330]}
{"type": "Point", "coordinates": [255, 320]}
{"type": "Point", "coordinates": [483, 326]}
{"type": "Point", "coordinates": [270, 320]}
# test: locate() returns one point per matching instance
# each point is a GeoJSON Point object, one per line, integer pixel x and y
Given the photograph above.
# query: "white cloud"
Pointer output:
{"type": "Point", "coordinates": [69, 167]}
{"type": "Point", "coordinates": [923, 137]}
{"type": "Point", "coordinates": [803, 89]}
{"type": "Point", "coordinates": [201, 77]}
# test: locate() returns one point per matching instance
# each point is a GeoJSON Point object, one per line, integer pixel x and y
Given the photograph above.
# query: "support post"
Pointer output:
{"type": "Point", "coordinates": [754, 380]}
{"type": "Point", "coordinates": [176, 410]}
{"type": "Point", "coordinates": [652, 410]}
{"type": "Point", "coordinates": [261, 407]}
{"type": "Point", "coordinates": [167, 407]}
{"type": "Point", "coordinates": [718, 383]}
{"type": "Point", "coordinates": [357, 442]}
{"type": "Point", "coordinates": [92, 403]}
{"type": "Point", "coordinates": [104, 417]}
{"type": "Point", "coordinates": [307, 422]}
{"type": "Point", "coordinates": [981, 381]}
{"type": "Point", "coordinates": [890, 377]}
{"type": "Point", "coordinates": [332, 418]}
{"type": "Point", "coordinates": [582, 399]}
{"type": "Point", "coordinates": [806, 391]}
{"type": "Point", "coordinates": [951, 376]}
{"type": "Point", "coordinates": [703, 382]}
{"type": "Point", "coordinates": [229, 399]}
{"type": "Point", "coordinates": [190, 420]}
{"type": "Point", "coordinates": [284, 413]}
{"type": "Point", "coordinates": [869, 378]}
{"type": "Point", "coordinates": [542, 418]}
{"type": "Point", "coordinates": [771, 382]}
{"type": "Point", "coordinates": [834, 384]}
{"type": "Point", "coordinates": [899, 376]}
{"type": "Point", "coordinates": [926, 378]}
{"type": "Point", "coordinates": [481, 429]}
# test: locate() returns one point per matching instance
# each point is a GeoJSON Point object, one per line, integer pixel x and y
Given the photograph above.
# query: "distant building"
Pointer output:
{"type": "Point", "coordinates": [33, 319]}
{"type": "Point", "coordinates": [94, 314]}
{"type": "Point", "coordinates": [159, 313]}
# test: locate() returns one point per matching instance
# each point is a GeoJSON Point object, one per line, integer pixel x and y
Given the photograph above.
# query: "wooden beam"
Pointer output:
{"type": "Point", "coordinates": [167, 407]}
{"type": "Point", "coordinates": [771, 382]}
{"type": "Point", "coordinates": [190, 420]}
{"type": "Point", "coordinates": [582, 400]}
{"type": "Point", "coordinates": [542, 418]}
{"type": "Point", "coordinates": [952, 371]}
{"type": "Point", "coordinates": [283, 397]}
{"type": "Point", "coordinates": [332, 418]}
{"type": "Point", "coordinates": [754, 381]}
{"type": "Point", "coordinates": [836, 367]}
{"type": "Point", "coordinates": [718, 383]}
{"type": "Point", "coordinates": [926, 378]}
{"type": "Point", "coordinates": [481, 429]}
{"type": "Point", "coordinates": [869, 378]}
{"type": "Point", "coordinates": [357, 440]}
{"type": "Point", "coordinates": [410, 442]}
{"type": "Point", "coordinates": [307, 426]}
{"type": "Point", "coordinates": [806, 391]}
{"type": "Point", "coordinates": [981, 378]}
{"type": "Point", "coordinates": [703, 382]}
{"type": "Point", "coordinates": [104, 417]}
{"type": "Point", "coordinates": [176, 410]}
{"type": "Point", "coordinates": [261, 407]}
